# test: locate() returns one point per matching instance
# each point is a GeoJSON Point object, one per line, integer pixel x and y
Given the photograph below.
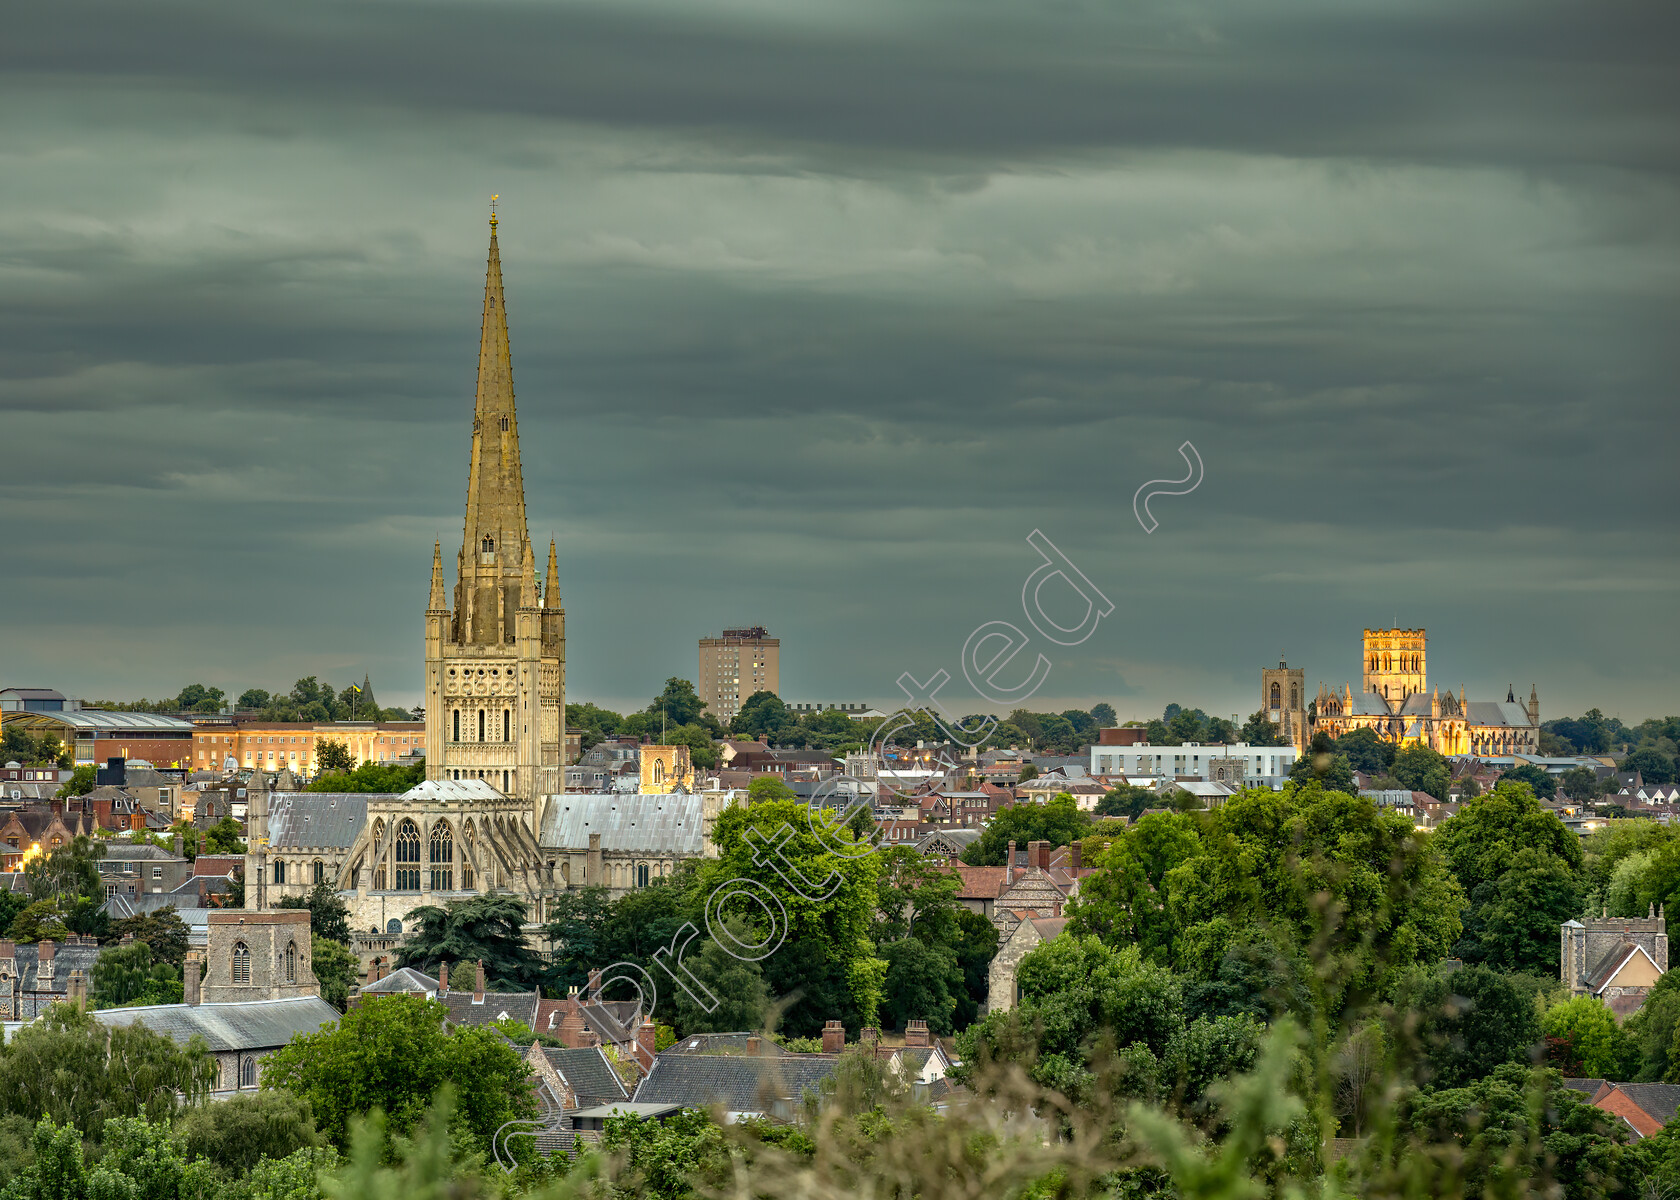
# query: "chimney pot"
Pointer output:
{"type": "Point", "coordinates": [752, 1043]}
{"type": "Point", "coordinates": [478, 982]}
{"type": "Point", "coordinates": [45, 950]}
{"type": "Point", "coordinates": [916, 1033]}
{"type": "Point", "coordinates": [1076, 854]}
{"type": "Point", "coordinates": [833, 1037]}
{"type": "Point", "coordinates": [443, 978]}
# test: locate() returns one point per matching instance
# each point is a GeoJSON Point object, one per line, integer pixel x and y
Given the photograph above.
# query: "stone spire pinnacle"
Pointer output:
{"type": "Point", "coordinates": [528, 573]}
{"type": "Point", "coordinates": [551, 585]}
{"type": "Point", "coordinates": [439, 601]}
{"type": "Point", "coordinates": [495, 535]}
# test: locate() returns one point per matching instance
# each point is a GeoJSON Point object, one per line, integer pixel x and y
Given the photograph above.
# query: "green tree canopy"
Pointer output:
{"type": "Point", "coordinates": [372, 777]}
{"type": "Point", "coordinates": [68, 1067]}
{"type": "Point", "coordinates": [329, 917]}
{"type": "Point", "coordinates": [125, 975]}
{"type": "Point", "coordinates": [1128, 800]}
{"type": "Point", "coordinates": [1521, 871]}
{"type": "Point", "coordinates": [395, 1053]}
{"type": "Point", "coordinates": [763, 717]}
{"type": "Point", "coordinates": [679, 704]}
{"type": "Point", "coordinates": [488, 929]}
{"type": "Point", "coordinates": [1586, 1039]}
{"type": "Point", "coordinates": [1538, 781]}
{"type": "Point", "coordinates": [161, 929]}
{"type": "Point", "coordinates": [1421, 769]}
{"type": "Point", "coordinates": [334, 756]}
{"type": "Point", "coordinates": [238, 1132]}
{"type": "Point", "coordinates": [1367, 752]}
{"type": "Point", "coordinates": [1056, 820]}
{"type": "Point", "coordinates": [1465, 1022]}
{"type": "Point", "coordinates": [1188, 888]}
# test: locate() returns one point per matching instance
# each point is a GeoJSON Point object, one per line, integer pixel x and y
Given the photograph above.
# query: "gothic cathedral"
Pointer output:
{"type": "Point", "coordinates": [496, 656]}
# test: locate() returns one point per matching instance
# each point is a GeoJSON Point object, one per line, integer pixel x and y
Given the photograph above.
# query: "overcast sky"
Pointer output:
{"type": "Point", "coordinates": [820, 307]}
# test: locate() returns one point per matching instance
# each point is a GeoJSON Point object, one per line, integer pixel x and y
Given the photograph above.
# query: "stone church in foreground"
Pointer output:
{"type": "Point", "coordinates": [492, 814]}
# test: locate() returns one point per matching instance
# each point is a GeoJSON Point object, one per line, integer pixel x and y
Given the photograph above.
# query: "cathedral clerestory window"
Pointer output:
{"type": "Point", "coordinates": [408, 857]}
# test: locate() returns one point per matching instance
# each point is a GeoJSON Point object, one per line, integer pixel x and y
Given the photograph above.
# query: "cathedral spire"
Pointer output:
{"type": "Point", "coordinates": [551, 585]}
{"type": "Point", "coordinates": [495, 533]}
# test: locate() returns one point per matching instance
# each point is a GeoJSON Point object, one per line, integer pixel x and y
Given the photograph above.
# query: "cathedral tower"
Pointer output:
{"type": "Point", "coordinates": [1396, 663]}
{"type": "Point", "coordinates": [496, 651]}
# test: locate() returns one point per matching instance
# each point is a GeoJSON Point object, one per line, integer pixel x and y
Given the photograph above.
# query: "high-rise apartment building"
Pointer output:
{"type": "Point", "coordinates": [734, 665]}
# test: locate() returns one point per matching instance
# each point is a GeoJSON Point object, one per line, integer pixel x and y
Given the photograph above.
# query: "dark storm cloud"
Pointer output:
{"type": "Point", "coordinates": [817, 312]}
{"type": "Point", "coordinates": [1544, 83]}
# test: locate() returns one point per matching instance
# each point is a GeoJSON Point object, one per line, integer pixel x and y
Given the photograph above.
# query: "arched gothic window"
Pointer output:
{"type": "Point", "coordinates": [658, 771]}
{"type": "Point", "coordinates": [248, 1073]}
{"type": "Point", "coordinates": [507, 725]}
{"type": "Point", "coordinates": [443, 858]}
{"type": "Point", "coordinates": [393, 926]}
{"type": "Point", "coordinates": [1294, 696]}
{"type": "Point", "coordinates": [279, 871]}
{"type": "Point", "coordinates": [481, 724]}
{"type": "Point", "coordinates": [505, 424]}
{"type": "Point", "coordinates": [457, 734]}
{"type": "Point", "coordinates": [408, 857]}
{"type": "Point", "coordinates": [641, 875]}
{"type": "Point", "coordinates": [317, 872]}
{"type": "Point", "coordinates": [1277, 696]}
{"type": "Point", "coordinates": [241, 963]}
{"type": "Point", "coordinates": [488, 545]}
{"type": "Point", "coordinates": [291, 962]}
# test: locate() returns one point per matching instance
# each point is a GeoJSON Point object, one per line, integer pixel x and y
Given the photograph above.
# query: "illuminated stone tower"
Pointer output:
{"type": "Point", "coordinates": [1283, 698]}
{"type": "Point", "coordinates": [496, 654]}
{"type": "Point", "coordinates": [1396, 663]}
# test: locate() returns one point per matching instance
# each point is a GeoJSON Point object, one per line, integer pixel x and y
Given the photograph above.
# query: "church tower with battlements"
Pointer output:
{"type": "Point", "coordinates": [496, 648]}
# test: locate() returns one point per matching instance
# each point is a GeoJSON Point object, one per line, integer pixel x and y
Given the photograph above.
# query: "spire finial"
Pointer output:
{"type": "Point", "coordinates": [493, 200]}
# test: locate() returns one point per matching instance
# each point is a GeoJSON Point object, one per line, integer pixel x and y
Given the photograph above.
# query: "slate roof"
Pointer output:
{"type": "Point", "coordinates": [66, 958]}
{"type": "Point", "coordinates": [120, 851]}
{"type": "Point", "coordinates": [723, 1043]}
{"type": "Point", "coordinates": [1659, 1100]}
{"type": "Point", "coordinates": [1049, 927]}
{"type": "Point", "coordinates": [452, 789]}
{"type": "Point", "coordinates": [403, 979]}
{"type": "Point", "coordinates": [316, 820]}
{"type": "Point", "coordinates": [1492, 712]}
{"type": "Point", "coordinates": [1588, 1086]}
{"type": "Point", "coordinates": [628, 823]}
{"type": "Point", "coordinates": [738, 1084]}
{"type": "Point", "coordinates": [1611, 962]}
{"type": "Point", "coordinates": [496, 1006]}
{"type": "Point", "coordinates": [592, 1077]}
{"type": "Point", "coordinates": [120, 906]}
{"type": "Point", "coordinates": [241, 1025]}
{"type": "Point", "coordinates": [614, 1021]}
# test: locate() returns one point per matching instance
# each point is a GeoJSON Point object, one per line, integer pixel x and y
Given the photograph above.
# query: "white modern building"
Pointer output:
{"type": "Point", "coordinates": [1239, 761]}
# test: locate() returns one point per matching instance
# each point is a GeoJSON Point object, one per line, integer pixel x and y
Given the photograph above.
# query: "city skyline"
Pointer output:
{"type": "Point", "coordinates": [785, 362]}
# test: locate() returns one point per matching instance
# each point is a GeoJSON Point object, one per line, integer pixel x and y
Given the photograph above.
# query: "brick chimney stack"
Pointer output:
{"type": "Point", "coordinates": [45, 951]}
{"type": "Point", "coordinates": [647, 1035]}
{"type": "Point", "coordinates": [443, 978]}
{"type": "Point", "coordinates": [870, 1038]}
{"type": "Point", "coordinates": [1076, 854]}
{"type": "Point", "coordinates": [834, 1037]}
{"type": "Point", "coordinates": [916, 1033]}
{"type": "Point", "coordinates": [1009, 866]}
{"type": "Point", "coordinates": [574, 1034]}
{"type": "Point", "coordinates": [752, 1043]}
{"type": "Point", "coordinates": [478, 984]}
{"type": "Point", "coordinates": [190, 979]}
{"type": "Point", "coordinates": [76, 990]}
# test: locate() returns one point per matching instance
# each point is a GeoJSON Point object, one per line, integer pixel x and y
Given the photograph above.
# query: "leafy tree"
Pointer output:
{"type": "Point", "coordinates": [488, 929]}
{"type": "Point", "coordinates": [68, 1067]}
{"type": "Point", "coordinates": [1512, 1125]}
{"type": "Point", "coordinates": [1584, 1034]}
{"type": "Point", "coordinates": [125, 975]}
{"type": "Point", "coordinates": [336, 967]}
{"type": "Point", "coordinates": [1652, 764]}
{"type": "Point", "coordinates": [1104, 715]}
{"type": "Point", "coordinates": [82, 781]}
{"type": "Point", "coordinates": [237, 1133]}
{"type": "Point", "coordinates": [253, 698]}
{"type": "Point", "coordinates": [395, 1053]}
{"type": "Point", "coordinates": [594, 724]}
{"type": "Point", "coordinates": [1367, 752]}
{"type": "Point", "coordinates": [1128, 800]}
{"type": "Point", "coordinates": [1512, 921]}
{"type": "Point", "coordinates": [975, 944]}
{"type": "Point", "coordinates": [1581, 783]}
{"type": "Point", "coordinates": [1465, 1022]}
{"type": "Point", "coordinates": [42, 919]}
{"type": "Point", "coordinates": [830, 860]}
{"type": "Point", "coordinates": [1541, 784]}
{"type": "Point", "coordinates": [223, 838]}
{"type": "Point", "coordinates": [195, 697]}
{"type": "Point", "coordinates": [924, 982]}
{"type": "Point", "coordinates": [1056, 820]}
{"type": "Point", "coordinates": [769, 787]}
{"type": "Point", "coordinates": [1186, 888]}
{"type": "Point", "coordinates": [702, 751]}
{"type": "Point", "coordinates": [1329, 770]}
{"type": "Point", "coordinates": [329, 917]}
{"type": "Point", "coordinates": [372, 777]}
{"type": "Point", "coordinates": [1259, 730]}
{"type": "Point", "coordinates": [70, 871]}
{"type": "Point", "coordinates": [737, 985]}
{"type": "Point", "coordinates": [915, 895]}
{"type": "Point", "coordinates": [162, 930]}
{"type": "Point", "coordinates": [763, 717]}
{"type": "Point", "coordinates": [334, 756]}
{"type": "Point", "coordinates": [679, 704]}
{"type": "Point", "coordinates": [1423, 770]}
{"type": "Point", "coordinates": [1653, 1028]}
